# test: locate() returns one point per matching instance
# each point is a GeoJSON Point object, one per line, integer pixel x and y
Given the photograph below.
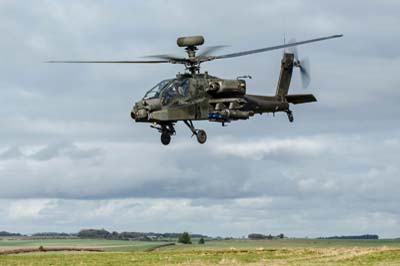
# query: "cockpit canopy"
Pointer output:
{"type": "Point", "coordinates": [169, 90]}
{"type": "Point", "coordinates": [155, 91]}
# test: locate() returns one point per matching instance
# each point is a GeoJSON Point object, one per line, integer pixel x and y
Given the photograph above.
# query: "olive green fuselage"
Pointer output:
{"type": "Point", "coordinates": [205, 97]}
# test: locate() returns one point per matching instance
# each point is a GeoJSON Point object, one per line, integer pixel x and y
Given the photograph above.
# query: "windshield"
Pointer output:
{"type": "Point", "coordinates": [176, 89]}
{"type": "Point", "coordinates": [155, 91]}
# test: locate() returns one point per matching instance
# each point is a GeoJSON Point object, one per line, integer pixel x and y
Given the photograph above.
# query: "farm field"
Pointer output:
{"type": "Point", "coordinates": [288, 243]}
{"type": "Point", "coordinates": [231, 252]}
{"type": "Point", "coordinates": [106, 245]}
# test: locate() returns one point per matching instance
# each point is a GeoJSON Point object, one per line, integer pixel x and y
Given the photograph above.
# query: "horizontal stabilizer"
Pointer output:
{"type": "Point", "coordinates": [300, 98]}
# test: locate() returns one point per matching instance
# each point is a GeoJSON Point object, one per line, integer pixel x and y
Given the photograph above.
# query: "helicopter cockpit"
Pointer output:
{"type": "Point", "coordinates": [155, 91]}
{"type": "Point", "coordinates": [174, 90]}
{"type": "Point", "coordinates": [169, 90]}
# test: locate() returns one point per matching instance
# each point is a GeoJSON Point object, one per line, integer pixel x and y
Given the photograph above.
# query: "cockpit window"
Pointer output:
{"type": "Point", "coordinates": [155, 91]}
{"type": "Point", "coordinates": [176, 89]}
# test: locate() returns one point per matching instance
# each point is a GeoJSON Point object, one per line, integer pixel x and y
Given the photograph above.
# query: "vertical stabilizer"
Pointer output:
{"type": "Point", "coordinates": [285, 76]}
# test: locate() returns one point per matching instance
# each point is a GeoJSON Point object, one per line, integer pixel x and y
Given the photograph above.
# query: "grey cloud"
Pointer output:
{"type": "Point", "coordinates": [228, 217]}
{"type": "Point", "coordinates": [68, 172]}
{"type": "Point", "coordinates": [11, 153]}
{"type": "Point", "coordinates": [65, 150]}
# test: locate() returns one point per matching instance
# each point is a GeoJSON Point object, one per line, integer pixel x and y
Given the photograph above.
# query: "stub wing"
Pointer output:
{"type": "Point", "coordinates": [300, 98]}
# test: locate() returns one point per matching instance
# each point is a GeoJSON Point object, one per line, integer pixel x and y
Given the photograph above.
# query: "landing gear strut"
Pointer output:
{"type": "Point", "coordinates": [166, 130]}
{"type": "Point", "coordinates": [290, 116]}
{"type": "Point", "coordinates": [201, 135]}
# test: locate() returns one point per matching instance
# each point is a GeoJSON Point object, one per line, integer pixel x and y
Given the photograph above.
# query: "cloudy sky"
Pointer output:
{"type": "Point", "coordinates": [72, 158]}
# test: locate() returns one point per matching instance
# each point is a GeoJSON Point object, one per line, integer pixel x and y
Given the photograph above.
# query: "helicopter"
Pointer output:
{"type": "Point", "coordinates": [194, 96]}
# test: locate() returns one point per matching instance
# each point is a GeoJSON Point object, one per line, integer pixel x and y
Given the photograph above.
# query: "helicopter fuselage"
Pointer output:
{"type": "Point", "coordinates": [204, 97]}
{"type": "Point", "coordinates": [191, 97]}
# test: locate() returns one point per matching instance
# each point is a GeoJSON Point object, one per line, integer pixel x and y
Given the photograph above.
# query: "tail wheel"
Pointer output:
{"type": "Point", "coordinates": [165, 138]}
{"type": "Point", "coordinates": [201, 136]}
{"type": "Point", "coordinates": [290, 116]}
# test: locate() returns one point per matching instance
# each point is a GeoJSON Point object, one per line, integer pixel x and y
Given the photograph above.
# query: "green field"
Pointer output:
{"type": "Point", "coordinates": [62, 242]}
{"type": "Point", "coordinates": [231, 252]}
{"type": "Point", "coordinates": [107, 245]}
{"type": "Point", "coordinates": [289, 243]}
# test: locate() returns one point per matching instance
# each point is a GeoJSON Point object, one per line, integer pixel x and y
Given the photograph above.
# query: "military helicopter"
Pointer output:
{"type": "Point", "coordinates": [196, 96]}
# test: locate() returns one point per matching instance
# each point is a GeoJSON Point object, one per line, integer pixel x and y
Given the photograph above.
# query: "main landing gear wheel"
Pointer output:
{"type": "Point", "coordinates": [201, 136]}
{"type": "Point", "coordinates": [165, 138]}
{"type": "Point", "coordinates": [167, 130]}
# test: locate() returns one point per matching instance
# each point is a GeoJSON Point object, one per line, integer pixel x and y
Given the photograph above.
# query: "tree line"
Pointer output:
{"type": "Point", "coordinates": [5, 233]}
{"type": "Point", "coordinates": [368, 236]}
{"type": "Point", "coordinates": [104, 234]}
{"type": "Point", "coordinates": [256, 236]}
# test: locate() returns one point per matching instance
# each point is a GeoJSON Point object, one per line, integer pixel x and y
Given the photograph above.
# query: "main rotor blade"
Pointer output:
{"type": "Point", "coordinates": [210, 49]}
{"type": "Point", "coordinates": [111, 62]}
{"type": "Point", "coordinates": [293, 49]}
{"type": "Point", "coordinates": [165, 57]}
{"type": "Point", "coordinates": [276, 47]}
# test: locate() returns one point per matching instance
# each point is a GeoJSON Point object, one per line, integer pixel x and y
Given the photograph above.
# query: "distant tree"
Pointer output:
{"type": "Point", "coordinates": [261, 236]}
{"type": "Point", "coordinates": [185, 238]}
{"type": "Point", "coordinates": [256, 236]}
{"type": "Point", "coordinates": [201, 241]}
{"type": "Point", "coordinates": [51, 234]}
{"type": "Point", "coordinates": [281, 236]}
{"type": "Point", "coordinates": [352, 237]}
{"type": "Point", "coordinates": [131, 235]}
{"type": "Point", "coordinates": [4, 233]}
{"type": "Point", "coordinates": [114, 235]}
{"type": "Point", "coordinates": [94, 233]}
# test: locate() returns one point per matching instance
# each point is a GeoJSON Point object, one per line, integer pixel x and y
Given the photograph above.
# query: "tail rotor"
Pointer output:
{"type": "Point", "coordinates": [303, 65]}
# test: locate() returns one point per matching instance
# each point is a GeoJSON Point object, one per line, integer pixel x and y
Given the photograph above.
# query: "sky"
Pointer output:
{"type": "Point", "coordinates": [72, 158]}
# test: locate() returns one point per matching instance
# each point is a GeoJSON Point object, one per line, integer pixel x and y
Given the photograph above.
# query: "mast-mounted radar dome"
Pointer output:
{"type": "Point", "coordinates": [190, 41]}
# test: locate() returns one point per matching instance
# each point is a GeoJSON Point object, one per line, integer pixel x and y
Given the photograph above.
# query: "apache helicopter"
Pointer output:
{"type": "Point", "coordinates": [196, 96]}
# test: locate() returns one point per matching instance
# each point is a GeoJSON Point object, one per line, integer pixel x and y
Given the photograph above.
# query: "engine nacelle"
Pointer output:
{"type": "Point", "coordinates": [227, 87]}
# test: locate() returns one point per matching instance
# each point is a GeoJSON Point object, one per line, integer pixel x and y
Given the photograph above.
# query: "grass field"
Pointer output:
{"type": "Point", "coordinates": [107, 245]}
{"type": "Point", "coordinates": [232, 252]}
{"type": "Point", "coordinates": [61, 242]}
{"type": "Point", "coordinates": [289, 243]}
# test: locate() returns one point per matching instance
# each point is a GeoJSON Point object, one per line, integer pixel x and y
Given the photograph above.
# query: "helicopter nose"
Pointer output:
{"type": "Point", "coordinates": [139, 114]}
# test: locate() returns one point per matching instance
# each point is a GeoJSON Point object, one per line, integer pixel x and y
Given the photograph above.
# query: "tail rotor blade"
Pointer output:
{"type": "Point", "coordinates": [303, 65]}
{"type": "Point", "coordinates": [305, 72]}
